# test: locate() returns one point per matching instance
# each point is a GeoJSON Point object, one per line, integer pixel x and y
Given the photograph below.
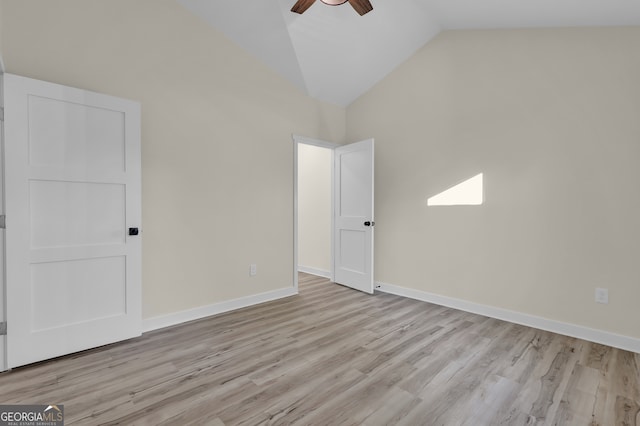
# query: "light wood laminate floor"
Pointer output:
{"type": "Point", "coordinates": [335, 356]}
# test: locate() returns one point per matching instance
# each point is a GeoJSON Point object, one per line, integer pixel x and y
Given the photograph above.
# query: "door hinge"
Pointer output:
{"type": "Point", "coordinates": [3, 221]}
{"type": "Point", "coordinates": [3, 328]}
{"type": "Point", "coordinates": [1, 114]}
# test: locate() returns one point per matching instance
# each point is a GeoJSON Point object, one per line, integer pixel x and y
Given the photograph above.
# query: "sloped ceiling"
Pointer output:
{"type": "Point", "coordinates": [335, 55]}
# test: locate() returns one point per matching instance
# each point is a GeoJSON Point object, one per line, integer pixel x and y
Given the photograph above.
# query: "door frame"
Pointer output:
{"type": "Point", "coordinates": [297, 139]}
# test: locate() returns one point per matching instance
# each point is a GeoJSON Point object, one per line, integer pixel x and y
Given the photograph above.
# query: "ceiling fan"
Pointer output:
{"type": "Point", "coordinates": [361, 6]}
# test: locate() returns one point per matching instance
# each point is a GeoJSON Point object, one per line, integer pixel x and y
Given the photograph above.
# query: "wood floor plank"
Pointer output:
{"type": "Point", "coordinates": [550, 382]}
{"type": "Point", "coordinates": [396, 405]}
{"type": "Point", "coordinates": [484, 404]}
{"type": "Point", "coordinates": [626, 411]}
{"type": "Point", "coordinates": [332, 355]}
{"type": "Point", "coordinates": [533, 367]}
{"type": "Point", "coordinates": [293, 411]}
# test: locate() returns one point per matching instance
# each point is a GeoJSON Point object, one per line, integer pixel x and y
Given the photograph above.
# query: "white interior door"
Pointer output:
{"type": "Point", "coordinates": [72, 185]}
{"type": "Point", "coordinates": [353, 224]}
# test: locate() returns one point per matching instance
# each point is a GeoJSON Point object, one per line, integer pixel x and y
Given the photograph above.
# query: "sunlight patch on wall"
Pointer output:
{"type": "Point", "coordinates": [467, 193]}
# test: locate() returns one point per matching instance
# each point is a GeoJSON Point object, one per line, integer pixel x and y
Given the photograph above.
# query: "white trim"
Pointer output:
{"type": "Point", "coordinates": [295, 212]}
{"type": "Point", "coordinates": [332, 273]}
{"type": "Point", "coordinates": [155, 323]}
{"type": "Point", "coordinates": [315, 271]}
{"type": "Point", "coordinates": [315, 142]}
{"type": "Point", "coordinates": [572, 330]}
{"type": "Point", "coordinates": [297, 139]}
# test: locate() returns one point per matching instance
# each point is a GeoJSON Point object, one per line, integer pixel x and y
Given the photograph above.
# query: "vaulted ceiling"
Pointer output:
{"type": "Point", "coordinates": [335, 55]}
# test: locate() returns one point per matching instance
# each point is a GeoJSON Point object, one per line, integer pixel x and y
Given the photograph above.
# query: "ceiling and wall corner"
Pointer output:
{"type": "Point", "coordinates": [335, 55]}
{"type": "Point", "coordinates": [331, 53]}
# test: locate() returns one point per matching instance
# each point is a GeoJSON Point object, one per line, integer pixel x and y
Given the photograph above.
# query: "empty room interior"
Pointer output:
{"type": "Point", "coordinates": [414, 212]}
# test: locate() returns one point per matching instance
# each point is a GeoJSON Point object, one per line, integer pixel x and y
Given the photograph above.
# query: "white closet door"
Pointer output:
{"type": "Point", "coordinates": [73, 256]}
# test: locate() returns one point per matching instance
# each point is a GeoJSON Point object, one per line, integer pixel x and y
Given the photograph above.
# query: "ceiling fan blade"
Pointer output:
{"type": "Point", "coordinates": [361, 6]}
{"type": "Point", "coordinates": [302, 5]}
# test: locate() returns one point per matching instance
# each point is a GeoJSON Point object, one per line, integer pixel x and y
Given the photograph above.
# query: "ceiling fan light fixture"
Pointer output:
{"type": "Point", "coordinates": [334, 2]}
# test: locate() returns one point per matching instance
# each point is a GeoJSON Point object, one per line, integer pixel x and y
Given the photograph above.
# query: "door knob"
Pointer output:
{"type": "Point", "coordinates": [367, 223]}
{"type": "Point", "coordinates": [133, 231]}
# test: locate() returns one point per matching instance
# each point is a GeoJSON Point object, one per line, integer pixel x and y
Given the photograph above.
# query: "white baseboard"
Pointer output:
{"type": "Point", "coordinates": [175, 318]}
{"type": "Point", "coordinates": [314, 271]}
{"type": "Point", "coordinates": [572, 330]}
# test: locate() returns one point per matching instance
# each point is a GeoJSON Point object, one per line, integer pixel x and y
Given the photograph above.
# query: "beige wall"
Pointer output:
{"type": "Point", "coordinates": [1, 25]}
{"type": "Point", "coordinates": [2, 302]}
{"type": "Point", "coordinates": [551, 117]}
{"type": "Point", "coordinates": [314, 207]}
{"type": "Point", "coordinates": [217, 157]}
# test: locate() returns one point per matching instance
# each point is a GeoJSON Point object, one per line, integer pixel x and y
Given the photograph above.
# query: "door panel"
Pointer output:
{"type": "Point", "coordinates": [76, 213]}
{"type": "Point", "coordinates": [355, 190]}
{"type": "Point", "coordinates": [67, 134]}
{"type": "Point", "coordinates": [100, 283]}
{"type": "Point", "coordinates": [72, 183]}
{"type": "Point", "coordinates": [353, 193]}
{"type": "Point", "coordinates": [352, 256]}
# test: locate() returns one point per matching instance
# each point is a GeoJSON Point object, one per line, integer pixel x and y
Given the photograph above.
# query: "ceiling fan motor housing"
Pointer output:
{"type": "Point", "coordinates": [361, 6]}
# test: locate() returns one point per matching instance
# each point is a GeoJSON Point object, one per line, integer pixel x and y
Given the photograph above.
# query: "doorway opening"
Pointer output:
{"type": "Point", "coordinates": [313, 207]}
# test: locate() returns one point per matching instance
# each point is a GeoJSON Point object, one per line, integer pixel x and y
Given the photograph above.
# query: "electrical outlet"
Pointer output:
{"type": "Point", "coordinates": [253, 269]}
{"type": "Point", "coordinates": [602, 295]}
